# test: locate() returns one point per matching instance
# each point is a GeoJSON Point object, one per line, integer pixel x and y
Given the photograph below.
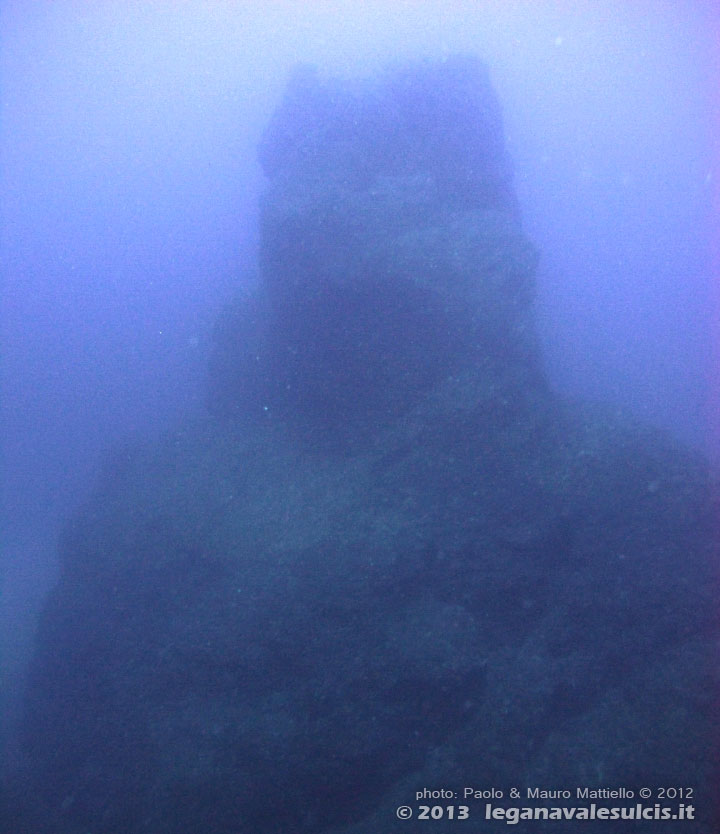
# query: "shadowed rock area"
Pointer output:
{"type": "Point", "coordinates": [391, 558]}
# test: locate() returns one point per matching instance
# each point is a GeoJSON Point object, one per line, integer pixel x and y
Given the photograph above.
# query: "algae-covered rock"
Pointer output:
{"type": "Point", "coordinates": [391, 249]}
{"type": "Point", "coordinates": [391, 558]}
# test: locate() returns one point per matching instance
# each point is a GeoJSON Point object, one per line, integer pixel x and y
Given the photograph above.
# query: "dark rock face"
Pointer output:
{"type": "Point", "coordinates": [391, 250]}
{"type": "Point", "coordinates": [401, 561]}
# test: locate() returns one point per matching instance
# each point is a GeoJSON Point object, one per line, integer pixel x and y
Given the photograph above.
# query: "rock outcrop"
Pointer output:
{"type": "Point", "coordinates": [391, 253]}
{"type": "Point", "coordinates": [393, 558]}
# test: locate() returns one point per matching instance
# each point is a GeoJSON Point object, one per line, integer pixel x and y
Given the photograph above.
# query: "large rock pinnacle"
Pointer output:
{"type": "Point", "coordinates": [392, 559]}
{"type": "Point", "coordinates": [391, 254]}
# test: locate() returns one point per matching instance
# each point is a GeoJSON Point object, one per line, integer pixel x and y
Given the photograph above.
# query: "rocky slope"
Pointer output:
{"type": "Point", "coordinates": [392, 558]}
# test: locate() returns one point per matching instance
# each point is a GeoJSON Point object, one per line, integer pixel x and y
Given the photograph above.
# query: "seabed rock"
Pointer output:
{"type": "Point", "coordinates": [391, 558]}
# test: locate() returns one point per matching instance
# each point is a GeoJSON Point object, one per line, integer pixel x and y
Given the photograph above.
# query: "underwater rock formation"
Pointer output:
{"type": "Point", "coordinates": [391, 251]}
{"type": "Point", "coordinates": [392, 558]}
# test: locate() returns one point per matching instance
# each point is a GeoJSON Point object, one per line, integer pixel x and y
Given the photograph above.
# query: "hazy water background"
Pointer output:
{"type": "Point", "coordinates": [129, 192]}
